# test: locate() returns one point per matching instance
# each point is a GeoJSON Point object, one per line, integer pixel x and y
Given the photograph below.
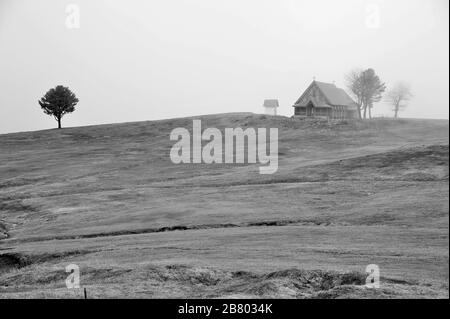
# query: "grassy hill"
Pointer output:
{"type": "Point", "coordinates": [108, 198]}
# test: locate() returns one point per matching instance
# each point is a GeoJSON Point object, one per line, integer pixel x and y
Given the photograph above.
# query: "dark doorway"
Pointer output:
{"type": "Point", "coordinates": [310, 109]}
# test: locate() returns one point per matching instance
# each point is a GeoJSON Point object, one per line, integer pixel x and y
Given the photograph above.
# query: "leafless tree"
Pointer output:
{"type": "Point", "coordinates": [353, 81]}
{"type": "Point", "coordinates": [398, 96]}
{"type": "Point", "coordinates": [367, 89]}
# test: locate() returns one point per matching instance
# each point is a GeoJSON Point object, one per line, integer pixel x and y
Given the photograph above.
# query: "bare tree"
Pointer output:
{"type": "Point", "coordinates": [354, 85]}
{"type": "Point", "coordinates": [398, 96]}
{"type": "Point", "coordinates": [367, 89]}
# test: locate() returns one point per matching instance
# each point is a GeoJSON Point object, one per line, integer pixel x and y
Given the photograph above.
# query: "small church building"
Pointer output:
{"type": "Point", "coordinates": [325, 100]}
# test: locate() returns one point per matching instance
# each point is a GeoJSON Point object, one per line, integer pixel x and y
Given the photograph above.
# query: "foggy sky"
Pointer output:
{"type": "Point", "coordinates": [144, 60]}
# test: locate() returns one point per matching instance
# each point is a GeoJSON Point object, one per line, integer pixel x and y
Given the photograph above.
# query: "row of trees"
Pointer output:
{"type": "Point", "coordinates": [367, 89]}
{"type": "Point", "coordinates": [365, 86]}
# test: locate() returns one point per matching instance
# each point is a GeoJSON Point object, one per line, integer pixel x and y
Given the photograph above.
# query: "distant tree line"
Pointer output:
{"type": "Point", "coordinates": [365, 86]}
{"type": "Point", "coordinates": [367, 89]}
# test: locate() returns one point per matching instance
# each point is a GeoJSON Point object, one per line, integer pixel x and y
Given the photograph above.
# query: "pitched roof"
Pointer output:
{"type": "Point", "coordinates": [271, 103]}
{"type": "Point", "coordinates": [332, 94]}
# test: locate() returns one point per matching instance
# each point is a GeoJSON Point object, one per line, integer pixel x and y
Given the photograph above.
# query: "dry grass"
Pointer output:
{"type": "Point", "coordinates": [107, 197]}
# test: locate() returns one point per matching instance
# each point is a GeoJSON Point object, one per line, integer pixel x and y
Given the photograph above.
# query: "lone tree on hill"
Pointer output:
{"type": "Point", "coordinates": [367, 88]}
{"type": "Point", "coordinates": [58, 101]}
{"type": "Point", "coordinates": [398, 96]}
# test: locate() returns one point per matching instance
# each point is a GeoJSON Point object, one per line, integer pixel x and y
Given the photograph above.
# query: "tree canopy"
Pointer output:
{"type": "Point", "coordinates": [398, 95]}
{"type": "Point", "coordinates": [58, 101]}
{"type": "Point", "coordinates": [367, 88]}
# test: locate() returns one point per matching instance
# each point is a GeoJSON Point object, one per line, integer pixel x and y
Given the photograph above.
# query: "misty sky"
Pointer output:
{"type": "Point", "coordinates": [143, 60]}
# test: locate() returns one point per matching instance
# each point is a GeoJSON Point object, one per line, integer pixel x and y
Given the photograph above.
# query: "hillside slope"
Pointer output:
{"type": "Point", "coordinates": [346, 194]}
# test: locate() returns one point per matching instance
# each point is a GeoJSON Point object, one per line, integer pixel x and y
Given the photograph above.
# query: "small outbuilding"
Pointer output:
{"type": "Point", "coordinates": [325, 100]}
{"type": "Point", "coordinates": [271, 106]}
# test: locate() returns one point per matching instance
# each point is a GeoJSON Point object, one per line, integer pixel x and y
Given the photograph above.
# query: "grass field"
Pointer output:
{"type": "Point", "coordinates": [108, 198]}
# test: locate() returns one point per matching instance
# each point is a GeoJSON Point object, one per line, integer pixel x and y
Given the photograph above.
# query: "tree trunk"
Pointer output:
{"type": "Point", "coordinates": [59, 122]}
{"type": "Point", "coordinates": [370, 112]}
{"type": "Point", "coordinates": [397, 107]}
{"type": "Point", "coordinates": [365, 111]}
